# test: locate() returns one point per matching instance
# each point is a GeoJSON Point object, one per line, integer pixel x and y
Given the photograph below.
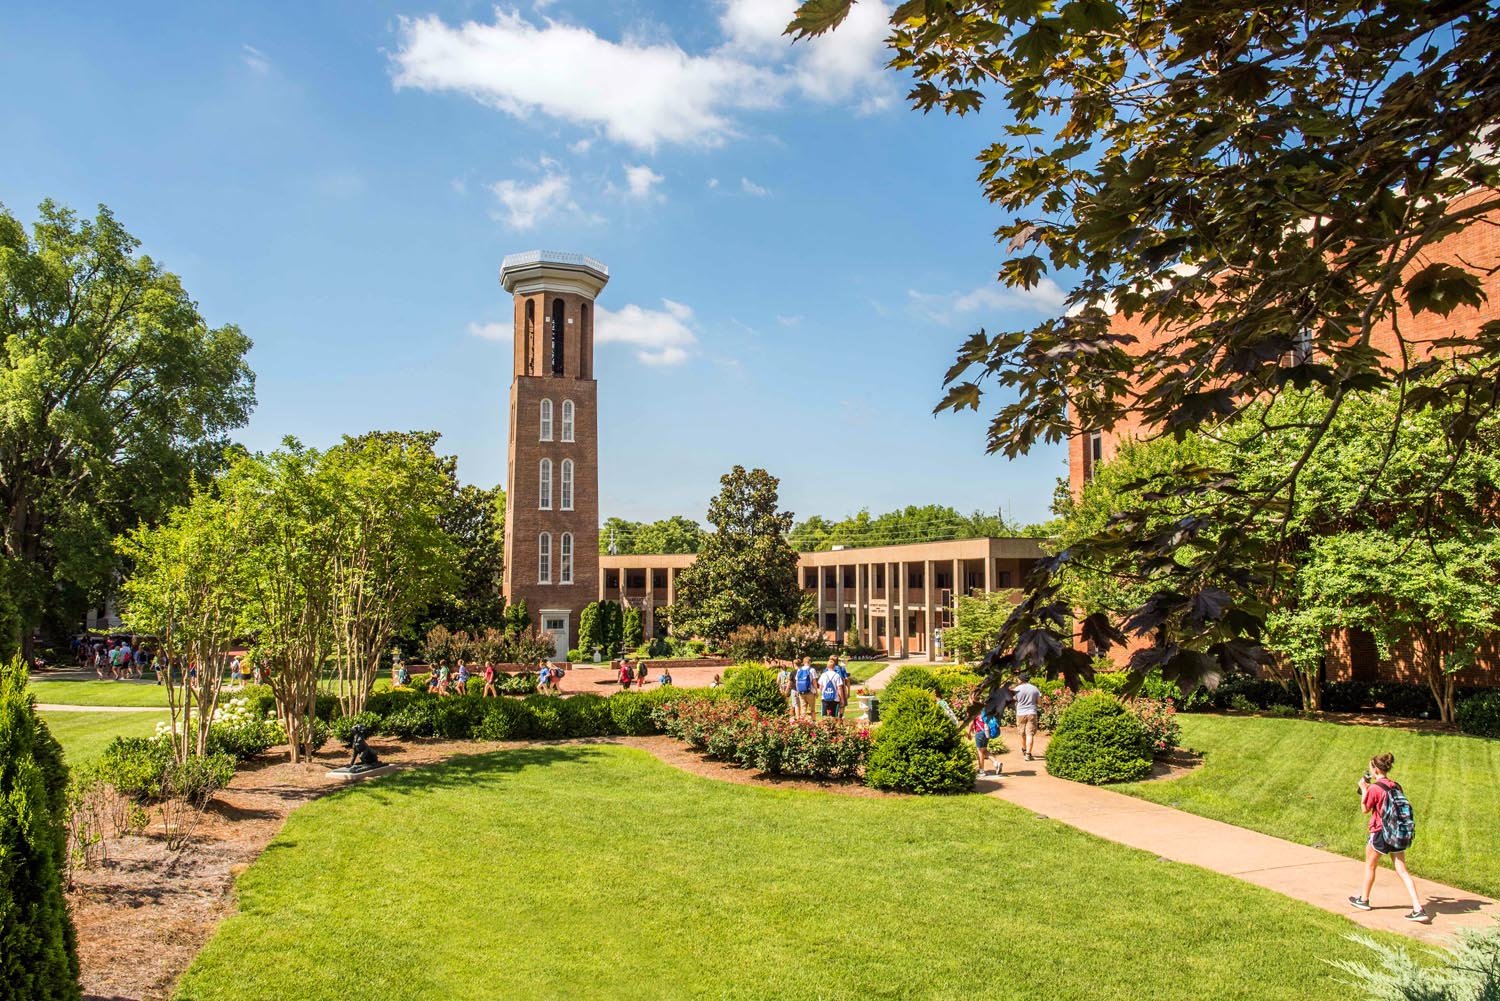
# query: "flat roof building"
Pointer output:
{"type": "Point", "coordinates": [892, 598]}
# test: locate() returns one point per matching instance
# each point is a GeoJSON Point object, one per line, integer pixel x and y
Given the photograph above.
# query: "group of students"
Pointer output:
{"type": "Point", "coordinates": [804, 686]}
{"type": "Point", "coordinates": [986, 726]}
{"type": "Point", "coordinates": [113, 659]}
{"type": "Point", "coordinates": [636, 674]}
{"type": "Point", "coordinates": [444, 680]}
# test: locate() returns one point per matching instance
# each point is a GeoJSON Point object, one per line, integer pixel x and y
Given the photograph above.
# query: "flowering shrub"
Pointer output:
{"type": "Point", "coordinates": [241, 731]}
{"type": "Point", "coordinates": [1158, 716]}
{"type": "Point", "coordinates": [769, 742]}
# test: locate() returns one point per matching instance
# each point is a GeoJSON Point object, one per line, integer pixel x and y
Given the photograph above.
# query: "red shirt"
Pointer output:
{"type": "Point", "coordinates": [1374, 801]}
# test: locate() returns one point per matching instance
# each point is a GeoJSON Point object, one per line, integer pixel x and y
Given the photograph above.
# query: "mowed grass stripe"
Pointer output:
{"type": "Point", "coordinates": [597, 871]}
{"type": "Point", "coordinates": [1295, 779]}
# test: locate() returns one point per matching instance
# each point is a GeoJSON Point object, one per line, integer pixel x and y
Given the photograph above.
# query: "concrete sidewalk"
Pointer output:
{"type": "Point", "coordinates": [52, 708]}
{"type": "Point", "coordinates": [1311, 875]}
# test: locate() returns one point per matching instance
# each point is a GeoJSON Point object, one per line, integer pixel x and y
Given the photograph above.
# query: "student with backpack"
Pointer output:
{"type": "Point", "coordinates": [1393, 827]}
{"type": "Point", "coordinates": [830, 685]}
{"type": "Point", "coordinates": [805, 680]}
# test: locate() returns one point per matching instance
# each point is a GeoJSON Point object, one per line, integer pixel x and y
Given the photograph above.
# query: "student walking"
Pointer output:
{"type": "Point", "coordinates": [980, 731]}
{"type": "Point", "coordinates": [805, 681]}
{"type": "Point", "coordinates": [640, 674]}
{"type": "Point", "coordinates": [829, 686]}
{"type": "Point", "coordinates": [489, 682]}
{"type": "Point", "coordinates": [1028, 699]}
{"type": "Point", "coordinates": [1392, 830]}
{"type": "Point", "coordinates": [784, 686]}
{"type": "Point", "coordinates": [626, 675]}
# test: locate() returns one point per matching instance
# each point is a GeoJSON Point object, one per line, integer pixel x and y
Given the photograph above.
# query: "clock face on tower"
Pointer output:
{"type": "Point", "coordinates": [552, 488]}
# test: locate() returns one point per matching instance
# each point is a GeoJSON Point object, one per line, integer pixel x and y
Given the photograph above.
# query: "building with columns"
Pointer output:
{"type": "Point", "coordinates": [891, 598]}
{"type": "Point", "coordinates": [552, 468]}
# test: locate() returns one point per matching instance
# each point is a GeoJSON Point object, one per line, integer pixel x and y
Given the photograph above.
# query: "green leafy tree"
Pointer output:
{"type": "Point", "coordinates": [386, 497]}
{"type": "Point", "coordinates": [676, 534]}
{"type": "Point", "coordinates": [187, 589]}
{"type": "Point", "coordinates": [116, 393]}
{"type": "Point", "coordinates": [1265, 189]}
{"type": "Point", "coordinates": [914, 523]}
{"type": "Point", "coordinates": [978, 622]}
{"type": "Point", "coordinates": [474, 518]}
{"type": "Point", "coordinates": [590, 638]}
{"type": "Point", "coordinates": [38, 949]}
{"type": "Point", "coordinates": [746, 572]}
{"type": "Point", "coordinates": [631, 629]}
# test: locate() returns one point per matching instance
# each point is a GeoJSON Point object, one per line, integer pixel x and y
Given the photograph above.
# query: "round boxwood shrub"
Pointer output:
{"type": "Point", "coordinates": [631, 712]}
{"type": "Point", "coordinates": [1480, 715]}
{"type": "Point", "coordinates": [504, 719]}
{"type": "Point", "coordinates": [1098, 740]}
{"type": "Point", "coordinates": [546, 716]}
{"type": "Point", "coordinates": [912, 676]}
{"type": "Point", "coordinates": [587, 715]}
{"type": "Point", "coordinates": [754, 685]}
{"type": "Point", "coordinates": [918, 748]}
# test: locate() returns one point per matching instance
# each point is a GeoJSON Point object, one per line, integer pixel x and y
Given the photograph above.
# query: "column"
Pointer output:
{"type": "Point", "coordinates": [901, 615]}
{"type": "Point", "coordinates": [671, 585]}
{"type": "Point", "coordinates": [859, 603]}
{"type": "Point", "coordinates": [838, 601]}
{"type": "Point", "coordinates": [890, 602]}
{"type": "Point", "coordinates": [927, 623]}
{"type": "Point", "coordinates": [602, 574]}
{"type": "Point", "coordinates": [989, 571]}
{"type": "Point", "coordinates": [822, 622]}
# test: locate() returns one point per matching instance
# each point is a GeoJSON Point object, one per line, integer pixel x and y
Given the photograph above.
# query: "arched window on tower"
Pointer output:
{"type": "Point", "coordinates": [528, 363]}
{"type": "Point", "coordinates": [558, 336]}
{"type": "Point", "coordinates": [586, 343]}
{"type": "Point", "coordinates": [567, 485]}
{"type": "Point", "coordinates": [545, 432]}
{"type": "Point", "coordinates": [544, 558]}
{"type": "Point", "coordinates": [544, 486]}
{"type": "Point", "coordinates": [567, 420]}
{"type": "Point", "coordinates": [565, 559]}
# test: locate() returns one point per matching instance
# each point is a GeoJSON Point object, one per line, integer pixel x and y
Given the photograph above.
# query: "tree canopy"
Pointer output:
{"type": "Point", "coordinates": [1264, 189]}
{"type": "Point", "coordinates": [676, 534]}
{"type": "Point", "coordinates": [115, 393]}
{"type": "Point", "coordinates": [913, 523]}
{"type": "Point", "coordinates": [746, 570]}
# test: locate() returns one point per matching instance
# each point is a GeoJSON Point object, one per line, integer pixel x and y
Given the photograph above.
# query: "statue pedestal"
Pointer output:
{"type": "Point", "coordinates": [345, 775]}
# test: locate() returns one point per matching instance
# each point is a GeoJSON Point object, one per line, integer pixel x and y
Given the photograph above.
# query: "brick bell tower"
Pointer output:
{"type": "Point", "coordinates": [552, 481]}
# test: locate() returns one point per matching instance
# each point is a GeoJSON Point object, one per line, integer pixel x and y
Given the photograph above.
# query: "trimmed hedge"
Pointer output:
{"type": "Point", "coordinates": [1480, 715]}
{"type": "Point", "coordinates": [754, 685]}
{"type": "Point", "coordinates": [918, 748]}
{"type": "Point", "coordinates": [912, 676]}
{"type": "Point", "coordinates": [1098, 740]}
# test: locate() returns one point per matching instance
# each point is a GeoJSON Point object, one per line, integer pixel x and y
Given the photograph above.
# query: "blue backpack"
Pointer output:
{"type": "Point", "coordinates": [804, 679]}
{"type": "Point", "coordinates": [991, 725]}
{"type": "Point", "coordinates": [830, 689]}
{"type": "Point", "coordinates": [1398, 825]}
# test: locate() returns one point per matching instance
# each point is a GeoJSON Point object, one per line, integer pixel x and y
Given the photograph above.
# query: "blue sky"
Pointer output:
{"type": "Point", "coordinates": [795, 253]}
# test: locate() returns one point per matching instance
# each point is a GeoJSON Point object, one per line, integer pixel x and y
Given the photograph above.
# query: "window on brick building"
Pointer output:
{"type": "Point", "coordinates": [545, 424]}
{"type": "Point", "coordinates": [544, 485]}
{"type": "Point", "coordinates": [1302, 346]}
{"type": "Point", "coordinates": [1093, 453]}
{"type": "Point", "coordinates": [565, 559]}
{"type": "Point", "coordinates": [567, 420]}
{"type": "Point", "coordinates": [566, 493]}
{"type": "Point", "coordinates": [544, 558]}
{"type": "Point", "coordinates": [529, 360]}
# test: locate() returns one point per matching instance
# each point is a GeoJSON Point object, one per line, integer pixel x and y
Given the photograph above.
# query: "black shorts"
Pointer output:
{"type": "Point", "coordinates": [1378, 842]}
{"type": "Point", "coordinates": [830, 707]}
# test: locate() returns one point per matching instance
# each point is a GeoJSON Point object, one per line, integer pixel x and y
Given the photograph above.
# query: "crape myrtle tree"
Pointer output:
{"type": "Point", "coordinates": [1259, 184]}
{"type": "Point", "coordinates": [391, 557]}
{"type": "Point", "coordinates": [746, 570]}
{"type": "Point", "coordinates": [475, 519]}
{"type": "Point", "coordinates": [115, 392]}
{"type": "Point", "coordinates": [186, 589]}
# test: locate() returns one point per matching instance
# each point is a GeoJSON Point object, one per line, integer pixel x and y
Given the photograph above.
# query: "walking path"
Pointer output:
{"type": "Point", "coordinates": [1311, 875]}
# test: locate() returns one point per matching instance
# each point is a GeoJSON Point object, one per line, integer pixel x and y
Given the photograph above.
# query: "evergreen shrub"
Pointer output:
{"type": "Point", "coordinates": [754, 685]}
{"type": "Point", "coordinates": [38, 950]}
{"type": "Point", "coordinates": [1480, 715]}
{"type": "Point", "coordinates": [1098, 740]}
{"type": "Point", "coordinates": [913, 676]}
{"type": "Point", "coordinates": [918, 748]}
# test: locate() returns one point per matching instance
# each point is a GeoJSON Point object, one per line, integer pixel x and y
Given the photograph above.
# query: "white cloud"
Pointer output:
{"type": "Point", "coordinates": [257, 60]}
{"type": "Point", "coordinates": [642, 181]}
{"type": "Point", "coordinates": [952, 306]}
{"type": "Point", "coordinates": [788, 321]}
{"type": "Point", "coordinates": [491, 331]}
{"type": "Point", "coordinates": [713, 182]}
{"type": "Point", "coordinates": [645, 92]}
{"type": "Point", "coordinates": [580, 147]}
{"type": "Point", "coordinates": [660, 336]}
{"type": "Point", "coordinates": [749, 187]}
{"type": "Point", "coordinates": [640, 93]}
{"type": "Point", "coordinates": [525, 205]}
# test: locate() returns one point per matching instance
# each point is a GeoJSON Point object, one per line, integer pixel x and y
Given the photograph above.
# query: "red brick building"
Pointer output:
{"type": "Point", "coordinates": [552, 469]}
{"type": "Point", "coordinates": [1474, 248]}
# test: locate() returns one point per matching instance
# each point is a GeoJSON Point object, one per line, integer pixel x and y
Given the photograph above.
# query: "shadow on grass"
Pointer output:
{"type": "Point", "coordinates": [467, 771]}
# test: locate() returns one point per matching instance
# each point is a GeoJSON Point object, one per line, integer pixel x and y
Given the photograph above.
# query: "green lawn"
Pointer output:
{"type": "Point", "coordinates": [1296, 779]}
{"type": "Point", "coordinates": [99, 693]}
{"type": "Point", "coordinates": [84, 735]}
{"type": "Point", "coordinates": [861, 671]}
{"type": "Point", "coordinates": [592, 871]}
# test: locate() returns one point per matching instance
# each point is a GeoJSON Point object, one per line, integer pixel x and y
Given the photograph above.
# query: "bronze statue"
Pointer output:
{"type": "Point", "coordinates": [362, 759]}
